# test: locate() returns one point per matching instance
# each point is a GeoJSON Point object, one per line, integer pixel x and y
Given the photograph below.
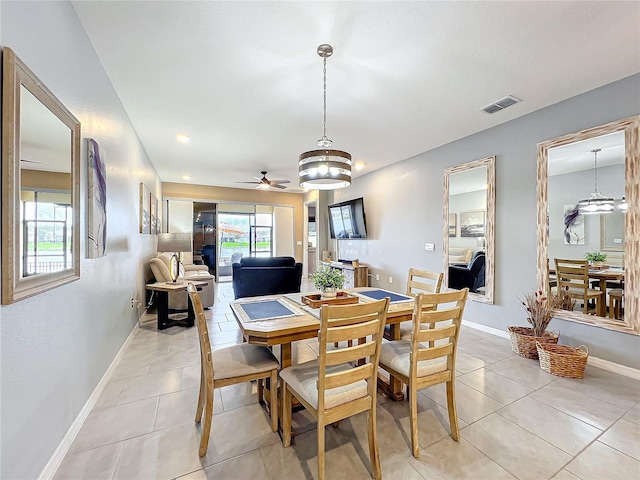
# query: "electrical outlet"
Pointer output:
{"type": "Point", "coordinates": [133, 304]}
{"type": "Point", "coordinates": [429, 247]}
{"type": "Point", "coordinates": [377, 277]}
{"type": "Point", "coordinates": [390, 279]}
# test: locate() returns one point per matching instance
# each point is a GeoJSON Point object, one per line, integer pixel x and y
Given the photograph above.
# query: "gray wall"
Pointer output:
{"type": "Point", "coordinates": [403, 205]}
{"type": "Point", "coordinates": [56, 346]}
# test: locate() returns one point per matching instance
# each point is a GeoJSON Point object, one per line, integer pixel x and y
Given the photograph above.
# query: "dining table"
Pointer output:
{"type": "Point", "coordinates": [274, 328]}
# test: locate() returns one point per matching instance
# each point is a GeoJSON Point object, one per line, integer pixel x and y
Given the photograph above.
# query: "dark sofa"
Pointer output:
{"type": "Point", "coordinates": [471, 277]}
{"type": "Point", "coordinates": [254, 276]}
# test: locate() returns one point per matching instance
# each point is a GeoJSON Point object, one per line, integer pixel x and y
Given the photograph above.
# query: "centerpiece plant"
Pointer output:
{"type": "Point", "coordinates": [327, 280]}
{"type": "Point", "coordinates": [595, 257]}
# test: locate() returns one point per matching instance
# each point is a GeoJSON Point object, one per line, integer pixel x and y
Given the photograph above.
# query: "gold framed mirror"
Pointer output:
{"type": "Point", "coordinates": [468, 232]}
{"type": "Point", "coordinates": [569, 163]}
{"type": "Point", "coordinates": [40, 186]}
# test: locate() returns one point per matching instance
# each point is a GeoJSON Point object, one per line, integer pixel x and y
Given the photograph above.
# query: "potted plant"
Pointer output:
{"type": "Point", "coordinates": [355, 262]}
{"type": "Point", "coordinates": [328, 280]}
{"type": "Point", "coordinates": [540, 308]}
{"type": "Point", "coordinates": [596, 258]}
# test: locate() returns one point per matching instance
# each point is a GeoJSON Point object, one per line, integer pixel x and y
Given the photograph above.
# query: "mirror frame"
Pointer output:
{"type": "Point", "coordinates": [490, 163]}
{"type": "Point", "coordinates": [14, 287]}
{"type": "Point", "coordinates": [631, 127]}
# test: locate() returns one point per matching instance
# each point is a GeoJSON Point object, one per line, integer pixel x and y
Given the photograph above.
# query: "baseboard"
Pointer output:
{"type": "Point", "coordinates": [483, 328]}
{"type": "Point", "coordinates": [594, 361]}
{"type": "Point", "coordinates": [50, 469]}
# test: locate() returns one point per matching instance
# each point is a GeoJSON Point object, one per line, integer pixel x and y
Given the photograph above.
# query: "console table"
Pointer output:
{"type": "Point", "coordinates": [163, 289]}
{"type": "Point", "coordinates": [354, 276]}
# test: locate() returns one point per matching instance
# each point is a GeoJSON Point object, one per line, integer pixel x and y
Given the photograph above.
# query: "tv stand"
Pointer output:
{"type": "Point", "coordinates": [354, 276]}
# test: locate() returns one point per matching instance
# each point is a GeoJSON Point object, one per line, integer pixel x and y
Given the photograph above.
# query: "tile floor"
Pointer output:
{"type": "Point", "coordinates": [516, 421]}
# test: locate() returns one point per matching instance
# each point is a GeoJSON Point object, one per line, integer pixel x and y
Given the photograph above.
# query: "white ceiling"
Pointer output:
{"type": "Point", "coordinates": [244, 82]}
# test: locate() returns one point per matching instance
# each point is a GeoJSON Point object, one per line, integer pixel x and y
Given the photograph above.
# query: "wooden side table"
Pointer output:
{"type": "Point", "coordinates": [163, 289]}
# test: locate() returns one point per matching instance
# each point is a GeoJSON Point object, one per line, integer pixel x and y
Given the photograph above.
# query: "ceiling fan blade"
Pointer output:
{"type": "Point", "coordinates": [258, 178]}
{"type": "Point", "coordinates": [277, 186]}
{"type": "Point", "coordinates": [30, 161]}
{"type": "Point", "coordinates": [248, 182]}
{"type": "Point", "coordinates": [273, 182]}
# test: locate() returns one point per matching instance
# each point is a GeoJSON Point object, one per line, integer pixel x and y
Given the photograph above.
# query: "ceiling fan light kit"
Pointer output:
{"type": "Point", "coordinates": [324, 169]}
{"type": "Point", "coordinates": [597, 203]}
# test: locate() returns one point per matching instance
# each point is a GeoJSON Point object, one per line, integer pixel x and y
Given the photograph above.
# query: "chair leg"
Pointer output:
{"type": "Point", "coordinates": [274, 400]}
{"type": "Point", "coordinates": [286, 415]}
{"type": "Point", "coordinates": [208, 417]}
{"type": "Point", "coordinates": [201, 396]}
{"type": "Point", "coordinates": [260, 390]}
{"type": "Point", "coordinates": [413, 413]}
{"type": "Point", "coordinates": [321, 469]}
{"type": "Point", "coordinates": [451, 406]}
{"type": "Point", "coordinates": [373, 443]}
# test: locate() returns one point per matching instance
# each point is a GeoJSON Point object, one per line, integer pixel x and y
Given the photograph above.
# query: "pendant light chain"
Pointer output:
{"type": "Point", "coordinates": [595, 169]}
{"type": "Point", "coordinates": [324, 90]}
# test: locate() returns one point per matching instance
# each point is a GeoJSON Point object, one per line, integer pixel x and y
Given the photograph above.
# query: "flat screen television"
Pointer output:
{"type": "Point", "coordinates": [347, 220]}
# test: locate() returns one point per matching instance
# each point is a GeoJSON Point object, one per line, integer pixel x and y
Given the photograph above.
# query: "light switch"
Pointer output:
{"type": "Point", "coordinates": [299, 243]}
{"type": "Point", "coordinates": [429, 247]}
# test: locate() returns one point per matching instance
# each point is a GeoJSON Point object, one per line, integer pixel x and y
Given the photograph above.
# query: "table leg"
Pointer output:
{"type": "Point", "coordinates": [393, 389]}
{"type": "Point", "coordinates": [602, 305]}
{"type": "Point", "coordinates": [163, 309]}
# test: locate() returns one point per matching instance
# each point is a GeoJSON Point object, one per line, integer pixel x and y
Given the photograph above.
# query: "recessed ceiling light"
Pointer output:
{"type": "Point", "coordinates": [182, 138]}
{"type": "Point", "coordinates": [359, 166]}
{"type": "Point", "coordinates": [186, 177]}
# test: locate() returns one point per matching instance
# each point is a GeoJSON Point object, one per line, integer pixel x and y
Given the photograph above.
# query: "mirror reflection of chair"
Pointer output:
{"type": "Point", "coordinates": [471, 277]}
{"type": "Point", "coordinates": [417, 366]}
{"type": "Point", "coordinates": [418, 281]}
{"type": "Point", "coordinates": [329, 387]}
{"type": "Point", "coordinates": [616, 303]}
{"type": "Point", "coordinates": [228, 366]}
{"type": "Point", "coordinates": [573, 276]}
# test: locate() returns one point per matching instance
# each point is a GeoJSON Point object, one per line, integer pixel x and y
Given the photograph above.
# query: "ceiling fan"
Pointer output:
{"type": "Point", "coordinates": [265, 183]}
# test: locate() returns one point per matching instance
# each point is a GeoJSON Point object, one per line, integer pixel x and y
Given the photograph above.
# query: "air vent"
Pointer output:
{"type": "Point", "coordinates": [501, 104]}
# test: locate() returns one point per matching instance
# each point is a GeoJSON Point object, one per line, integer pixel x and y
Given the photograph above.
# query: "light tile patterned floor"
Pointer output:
{"type": "Point", "coordinates": [516, 421]}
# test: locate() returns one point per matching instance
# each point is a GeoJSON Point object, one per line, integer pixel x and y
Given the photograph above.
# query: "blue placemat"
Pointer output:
{"type": "Point", "coordinates": [380, 294]}
{"type": "Point", "coordinates": [267, 309]}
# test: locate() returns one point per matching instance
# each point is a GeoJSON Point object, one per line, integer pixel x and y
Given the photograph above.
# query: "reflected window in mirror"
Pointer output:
{"type": "Point", "coordinates": [572, 169]}
{"type": "Point", "coordinates": [40, 194]}
{"type": "Point", "coordinates": [469, 212]}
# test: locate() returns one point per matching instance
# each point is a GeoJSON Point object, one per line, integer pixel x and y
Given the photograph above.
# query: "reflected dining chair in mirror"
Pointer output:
{"type": "Point", "coordinates": [418, 281]}
{"type": "Point", "coordinates": [240, 363]}
{"type": "Point", "coordinates": [40, 186]}
{"type": "Point", "coordinates": [330, 388]}
{"type": "Point", "coordinates": [572, 276]}
{"type": "Point", "coordinates": [419, 366]}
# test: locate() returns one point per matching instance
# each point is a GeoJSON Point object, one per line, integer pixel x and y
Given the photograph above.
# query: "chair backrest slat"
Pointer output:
{"type": "Point", "coordinates": [334, 380]}
{"type": "Point", "coordinates": [432, 334]}
{"type": "Point", "coordinates": [351, 354]}
{"type": "Point", "coordinates": [349, 332]}
{"type": "Point", "coordinates": [341, 324]}
{"type": "Point", "coordinates": [572, 274]}
{"type": "Point", "coordinates": [446, 323]}
{"type": "Point", "coordinates": [432, 353]}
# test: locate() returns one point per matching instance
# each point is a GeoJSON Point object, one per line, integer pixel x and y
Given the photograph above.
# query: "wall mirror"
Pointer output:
{"type": "Point", "coordinates": [468, 228]}
{"type": "Point", "coordinates": [40, 186]}
{"type": "Point", "coordinates": [572, 168]}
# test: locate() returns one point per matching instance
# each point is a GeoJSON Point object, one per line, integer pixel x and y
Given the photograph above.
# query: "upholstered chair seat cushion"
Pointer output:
{"type": "Point", "coordinates": [396, 355]}
{"type": "Point", "coordinates": [242, 359]}
{"type": "Point", "coordinates": [303, 378]}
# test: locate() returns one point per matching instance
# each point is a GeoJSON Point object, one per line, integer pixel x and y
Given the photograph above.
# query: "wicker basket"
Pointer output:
{"type": "Point", "coordinates": [524, 343]}
{"type": "Point", "coordinates": [562, 360]}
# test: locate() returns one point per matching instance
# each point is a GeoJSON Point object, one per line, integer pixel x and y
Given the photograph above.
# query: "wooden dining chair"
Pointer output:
{"type": "Point", "coordinates": [419, 366]}
{"type": "Point", "coordinates": [418, 281]}
{"type": "Point", "coordinates": [573, 276]}
{"type": "Point", "coordinates": [330, 388]}
{"type": "Point", "coordinates": [228, 366]}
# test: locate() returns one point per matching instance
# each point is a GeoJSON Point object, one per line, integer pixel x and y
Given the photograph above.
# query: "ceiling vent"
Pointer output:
{"type": "Point", "coordinates": [501, 104]}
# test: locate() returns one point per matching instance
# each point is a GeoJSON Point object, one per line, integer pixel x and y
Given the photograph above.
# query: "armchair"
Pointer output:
{"type": "Point", "coordinates": [471, 276]}
{"type": "Point", "coordinates": [178, 300]}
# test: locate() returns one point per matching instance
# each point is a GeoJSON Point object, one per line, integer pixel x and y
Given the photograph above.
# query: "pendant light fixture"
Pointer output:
{"type": "Point", "coordinates": [597, 203]}
{"type": "Point", "coordinates": [324, 169]}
